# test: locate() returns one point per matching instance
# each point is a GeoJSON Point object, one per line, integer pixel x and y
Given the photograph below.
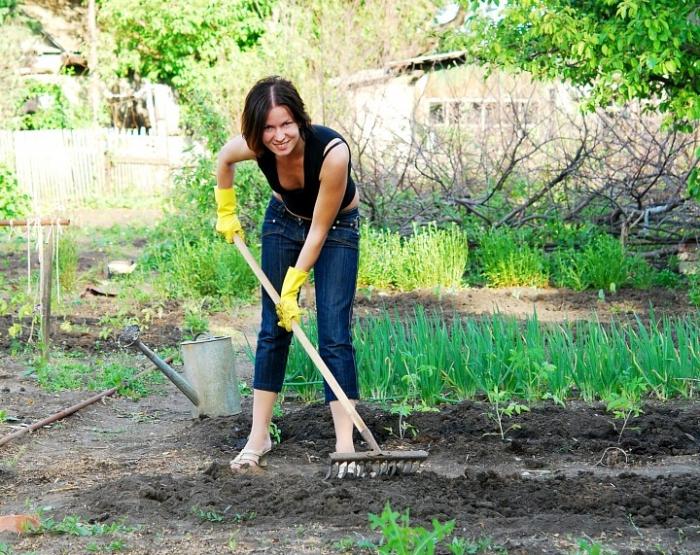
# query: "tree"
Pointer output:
{"type": "Point", "coordinates": [165, 40]}
{"type": "Point", "coordinates": [616, 50]}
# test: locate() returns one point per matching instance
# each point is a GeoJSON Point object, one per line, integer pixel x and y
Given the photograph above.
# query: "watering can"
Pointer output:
{"type": "Point", "coordinates": [210, 381]}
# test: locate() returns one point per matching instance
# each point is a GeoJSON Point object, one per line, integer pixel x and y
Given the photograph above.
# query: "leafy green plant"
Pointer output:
{"type": "Point", "coordinates": [589, 547]}
{"type": "Point", "coordinates": [502, 407]}
{"type": "Point", "coordinates": [694, 289]}
{"type": "Point", "coordinates": [53, 110]}
{"type": "Point", "coordinates": [207, 515]}
{"type": "Point", "coordinates": [507, 260]}
{"type": "Point", "coordinates": [3, 415]}
{"type": "Point", "coordinates": [13, 202]}
{"type": "Point", "coordinates": [74, 525]}
{"type": "Point", "coordinates": [195, 321]}
{"type": "Point", "coordinates": [626, 404]}
{"type": "Point", "coordinates": [400, 538]}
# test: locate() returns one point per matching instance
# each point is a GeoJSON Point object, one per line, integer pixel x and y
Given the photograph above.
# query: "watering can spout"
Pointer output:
{"type": "Point", "coordinates": [210, 384]}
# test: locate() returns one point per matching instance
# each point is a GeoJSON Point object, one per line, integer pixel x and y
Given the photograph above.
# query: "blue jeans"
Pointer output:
{"type": "Point", "coordinates": [335, 277]}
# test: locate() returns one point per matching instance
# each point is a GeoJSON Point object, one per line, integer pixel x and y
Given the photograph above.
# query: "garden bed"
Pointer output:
{"type": "Point", "coordinates": [564, 477]}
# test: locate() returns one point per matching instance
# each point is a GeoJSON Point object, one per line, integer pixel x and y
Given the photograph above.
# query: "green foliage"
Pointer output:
{"type": "Point", "coordinates": [53, 110]}
{"type": "Point", "coordinates": [421, 361]}
{"type": "Point", "coordinates": [7, 7]}
{"type": "Point", "coordinates": [195, 321]}
{"type": "Point", "coordinates": [400, 538]}
{"type": "Point", "coordinates": [203, 268]}
{"type": "Point", "coordinates": [207, 516]}
{"type": "Point", "coordinates": [507, 260]}
{"type": "Point", "coordinates": [66, 374]}
{"type": "Point", "coordinates": [621, 50]}
{"type": "Point", "coordinates": [67, 261]}
{"type": "Point", "coordinates": [13, 202]}
{"type": "Point", "coordinates": [430, 257]}
{"type": "Point", "coordinates": [694, 290]}
{"type": "Point", "coordinates": [589, 547]}
{"type": "Point", "coordinates": [167, 41]}
{"type": "Point", "coordinates": [602, 264]}
{"type": "Point", "coordinates": [73, 525]}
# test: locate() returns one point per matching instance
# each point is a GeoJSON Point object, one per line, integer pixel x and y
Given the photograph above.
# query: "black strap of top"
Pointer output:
{"type": "Point", "coordinates": [338, 142]}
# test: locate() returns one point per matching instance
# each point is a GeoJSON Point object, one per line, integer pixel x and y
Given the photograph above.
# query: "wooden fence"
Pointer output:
{"type": "Point", "coordinates": [63, 167]}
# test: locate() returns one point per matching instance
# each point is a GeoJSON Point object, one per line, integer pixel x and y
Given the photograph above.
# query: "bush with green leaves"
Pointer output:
{"type": "Point", "coordinates": [603, 264]}
{"type": "Point", "coordinates": [507, 260]}
{"type": "Point", "coordinates": [13, 202]}
{"type": "Point", "coordinates": [53, 111]}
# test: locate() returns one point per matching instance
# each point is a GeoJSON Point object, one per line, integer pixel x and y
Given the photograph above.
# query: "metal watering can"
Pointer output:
{"type": "Point", "coordinates": [210, 381]}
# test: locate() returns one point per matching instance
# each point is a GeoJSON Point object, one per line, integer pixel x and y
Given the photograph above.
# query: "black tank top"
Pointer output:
{"type": "Point", "coordinates": [302, 201]}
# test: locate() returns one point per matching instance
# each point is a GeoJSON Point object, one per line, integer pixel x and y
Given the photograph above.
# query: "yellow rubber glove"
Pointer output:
{"type": "Point", "coordinates": [288, 310]}
{"type": "Point", "coordinates": [227, 223]}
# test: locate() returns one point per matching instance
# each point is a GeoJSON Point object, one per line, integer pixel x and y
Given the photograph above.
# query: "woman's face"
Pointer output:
{"type": "Point", "coordinates": [281, 132]}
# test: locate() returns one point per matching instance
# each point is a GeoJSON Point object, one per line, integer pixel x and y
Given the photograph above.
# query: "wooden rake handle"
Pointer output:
{"type": "Point", "coordinates": [309, 348]}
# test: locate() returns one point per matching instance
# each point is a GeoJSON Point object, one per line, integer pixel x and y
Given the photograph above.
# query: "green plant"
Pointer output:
{"type": "Point", "coordinates": [13, 202]}
{"type": "Point", "coordinates": [399, 538]}
{"type": "Point", "coordinates": [589, 547]}
{"type": "Point", "coordinates": [626, 404]}
{"type": "Point", "coordinates": [507, 260]}
{"type": "Point", "coordinates": [694, 289]}
{"type": "Point", "coordinates": [74, 525]}
{"type": "Point", "coordinates": [499, 409]}
{"type": "Point", "coordinates": [53, 110]}
{"type": "Point", "coordinates": [195, 321]}
{"type": "Point", "coordinates": [209, 516]}
{"type": "Point", "coordinates": [275, 433]}
{"type": "Point", "coordinates": [67, 253]}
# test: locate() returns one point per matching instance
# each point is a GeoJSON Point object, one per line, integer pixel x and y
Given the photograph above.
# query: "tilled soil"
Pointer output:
{"type": "Point", "coordinates": [561, 474]}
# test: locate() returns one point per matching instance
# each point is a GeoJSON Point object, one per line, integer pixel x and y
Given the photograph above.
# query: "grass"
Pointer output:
{"type": "Point", "coordinates": [64, 373]}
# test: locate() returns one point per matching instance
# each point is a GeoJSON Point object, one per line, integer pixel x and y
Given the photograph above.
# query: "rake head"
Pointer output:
{"type": "Point", "coordinates": [370, 464]}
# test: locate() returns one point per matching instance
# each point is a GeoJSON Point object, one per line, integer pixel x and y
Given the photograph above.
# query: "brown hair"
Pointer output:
{"type": "Point", "coordinates": [266, 94]}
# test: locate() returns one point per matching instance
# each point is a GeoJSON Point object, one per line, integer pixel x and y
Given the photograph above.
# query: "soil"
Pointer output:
{"type": "Point", "coordinates": [564, 474]}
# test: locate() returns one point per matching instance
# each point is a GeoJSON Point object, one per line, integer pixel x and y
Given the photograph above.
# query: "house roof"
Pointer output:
{"type": "Point", "coordinates": [430, 61]}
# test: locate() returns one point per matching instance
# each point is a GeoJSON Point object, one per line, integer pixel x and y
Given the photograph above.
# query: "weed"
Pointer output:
{"type": "Point", "coordinates": [275, 433]}
{"type": "Point", "coordinates": [508, 261]}
{"type": "Point", "coordinates": [244, 389]}
{"type": "Point", "coordinates": [694, 289]}
{"type": "Point", "coordinates": [3, 415]}
{"type": "Point", "coordinates": [112, 547]}
{"type": "Point", "coordinates": [195, 320]}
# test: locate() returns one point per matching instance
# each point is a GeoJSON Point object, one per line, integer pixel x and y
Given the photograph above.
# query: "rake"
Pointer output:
{"type": "Point", "coordinates": [376, 462]}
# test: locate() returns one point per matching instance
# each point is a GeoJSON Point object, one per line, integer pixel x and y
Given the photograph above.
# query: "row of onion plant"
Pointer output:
{"type": "Point", "coordinates": [430, 359]}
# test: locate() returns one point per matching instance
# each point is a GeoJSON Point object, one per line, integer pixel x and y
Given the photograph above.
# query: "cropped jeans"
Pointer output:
{"type": "Point", "coordinates": [335, 277]}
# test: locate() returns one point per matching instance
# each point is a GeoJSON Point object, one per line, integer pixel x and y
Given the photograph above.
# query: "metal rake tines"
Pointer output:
{"type": "Point", "coordinates": [369, 465]}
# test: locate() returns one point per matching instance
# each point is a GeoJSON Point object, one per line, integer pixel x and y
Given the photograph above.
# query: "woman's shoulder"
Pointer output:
{"type": "Point", "coordinates": [325, 134]}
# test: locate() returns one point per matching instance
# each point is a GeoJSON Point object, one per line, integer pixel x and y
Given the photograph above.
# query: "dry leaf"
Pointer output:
{"type": "Point", "coordinates": [18, 523]}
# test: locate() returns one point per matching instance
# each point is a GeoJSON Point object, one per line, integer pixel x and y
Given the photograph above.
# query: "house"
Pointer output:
{"type": "Point", "coordinates": [440, 90]}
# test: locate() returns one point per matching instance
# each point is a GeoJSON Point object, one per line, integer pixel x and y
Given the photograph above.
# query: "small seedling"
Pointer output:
{"type": "Point", "coordinates": [499, 410]}
{"type": "Point", "coordinates": [401, 538]}
{"type": "Point", "coordinates": [586, 547]}
{"type": "Point", "coordinates": [627, 404]}
{"type": "Point", "coordinates": [209, 516]}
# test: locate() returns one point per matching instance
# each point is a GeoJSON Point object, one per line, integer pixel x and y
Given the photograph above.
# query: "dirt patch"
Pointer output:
{"type": "Point", "coordinates": [562, 474]}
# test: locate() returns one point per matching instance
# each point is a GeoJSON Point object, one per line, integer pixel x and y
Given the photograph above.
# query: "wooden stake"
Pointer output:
{"type": "Point", "coordinates": [45, 293]}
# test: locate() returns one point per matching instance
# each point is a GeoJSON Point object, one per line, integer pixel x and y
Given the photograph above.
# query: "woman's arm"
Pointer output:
{"type": "Point", "coordinates": [236, 150]}
{"type": "Point", "coordinates": [334, 179]}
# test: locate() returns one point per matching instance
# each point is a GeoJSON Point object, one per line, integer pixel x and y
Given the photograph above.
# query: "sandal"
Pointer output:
{"type": "Point", "coordinates": [249, 459]}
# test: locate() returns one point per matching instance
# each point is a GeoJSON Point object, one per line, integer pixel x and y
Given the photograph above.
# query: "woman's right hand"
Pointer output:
{"type": "Point", "coordinates": [227, 222]}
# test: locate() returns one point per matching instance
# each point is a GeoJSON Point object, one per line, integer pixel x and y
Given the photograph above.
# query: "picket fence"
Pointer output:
{"type": "Point", "coordinates": [64, 167]}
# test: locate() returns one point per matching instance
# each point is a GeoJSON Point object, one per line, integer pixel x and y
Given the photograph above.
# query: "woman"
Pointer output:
{"type": "Point", "coordinates": [312, 221]}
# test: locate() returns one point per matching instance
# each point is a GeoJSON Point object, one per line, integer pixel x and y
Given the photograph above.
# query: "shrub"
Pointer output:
{"type": "Point", "coordinates": [13, 202]}
{"type": "Point", "coordinates": [430, 257]}
{"type": "Point", "coordinates": [507, 260]}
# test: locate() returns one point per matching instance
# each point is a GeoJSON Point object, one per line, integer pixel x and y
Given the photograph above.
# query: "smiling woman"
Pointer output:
{"type": "Point", "coordinates": [312, 221]}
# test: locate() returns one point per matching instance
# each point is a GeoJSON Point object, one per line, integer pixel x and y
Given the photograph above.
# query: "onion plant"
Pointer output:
{"type": "Point", "coordinates": [427, 359]}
